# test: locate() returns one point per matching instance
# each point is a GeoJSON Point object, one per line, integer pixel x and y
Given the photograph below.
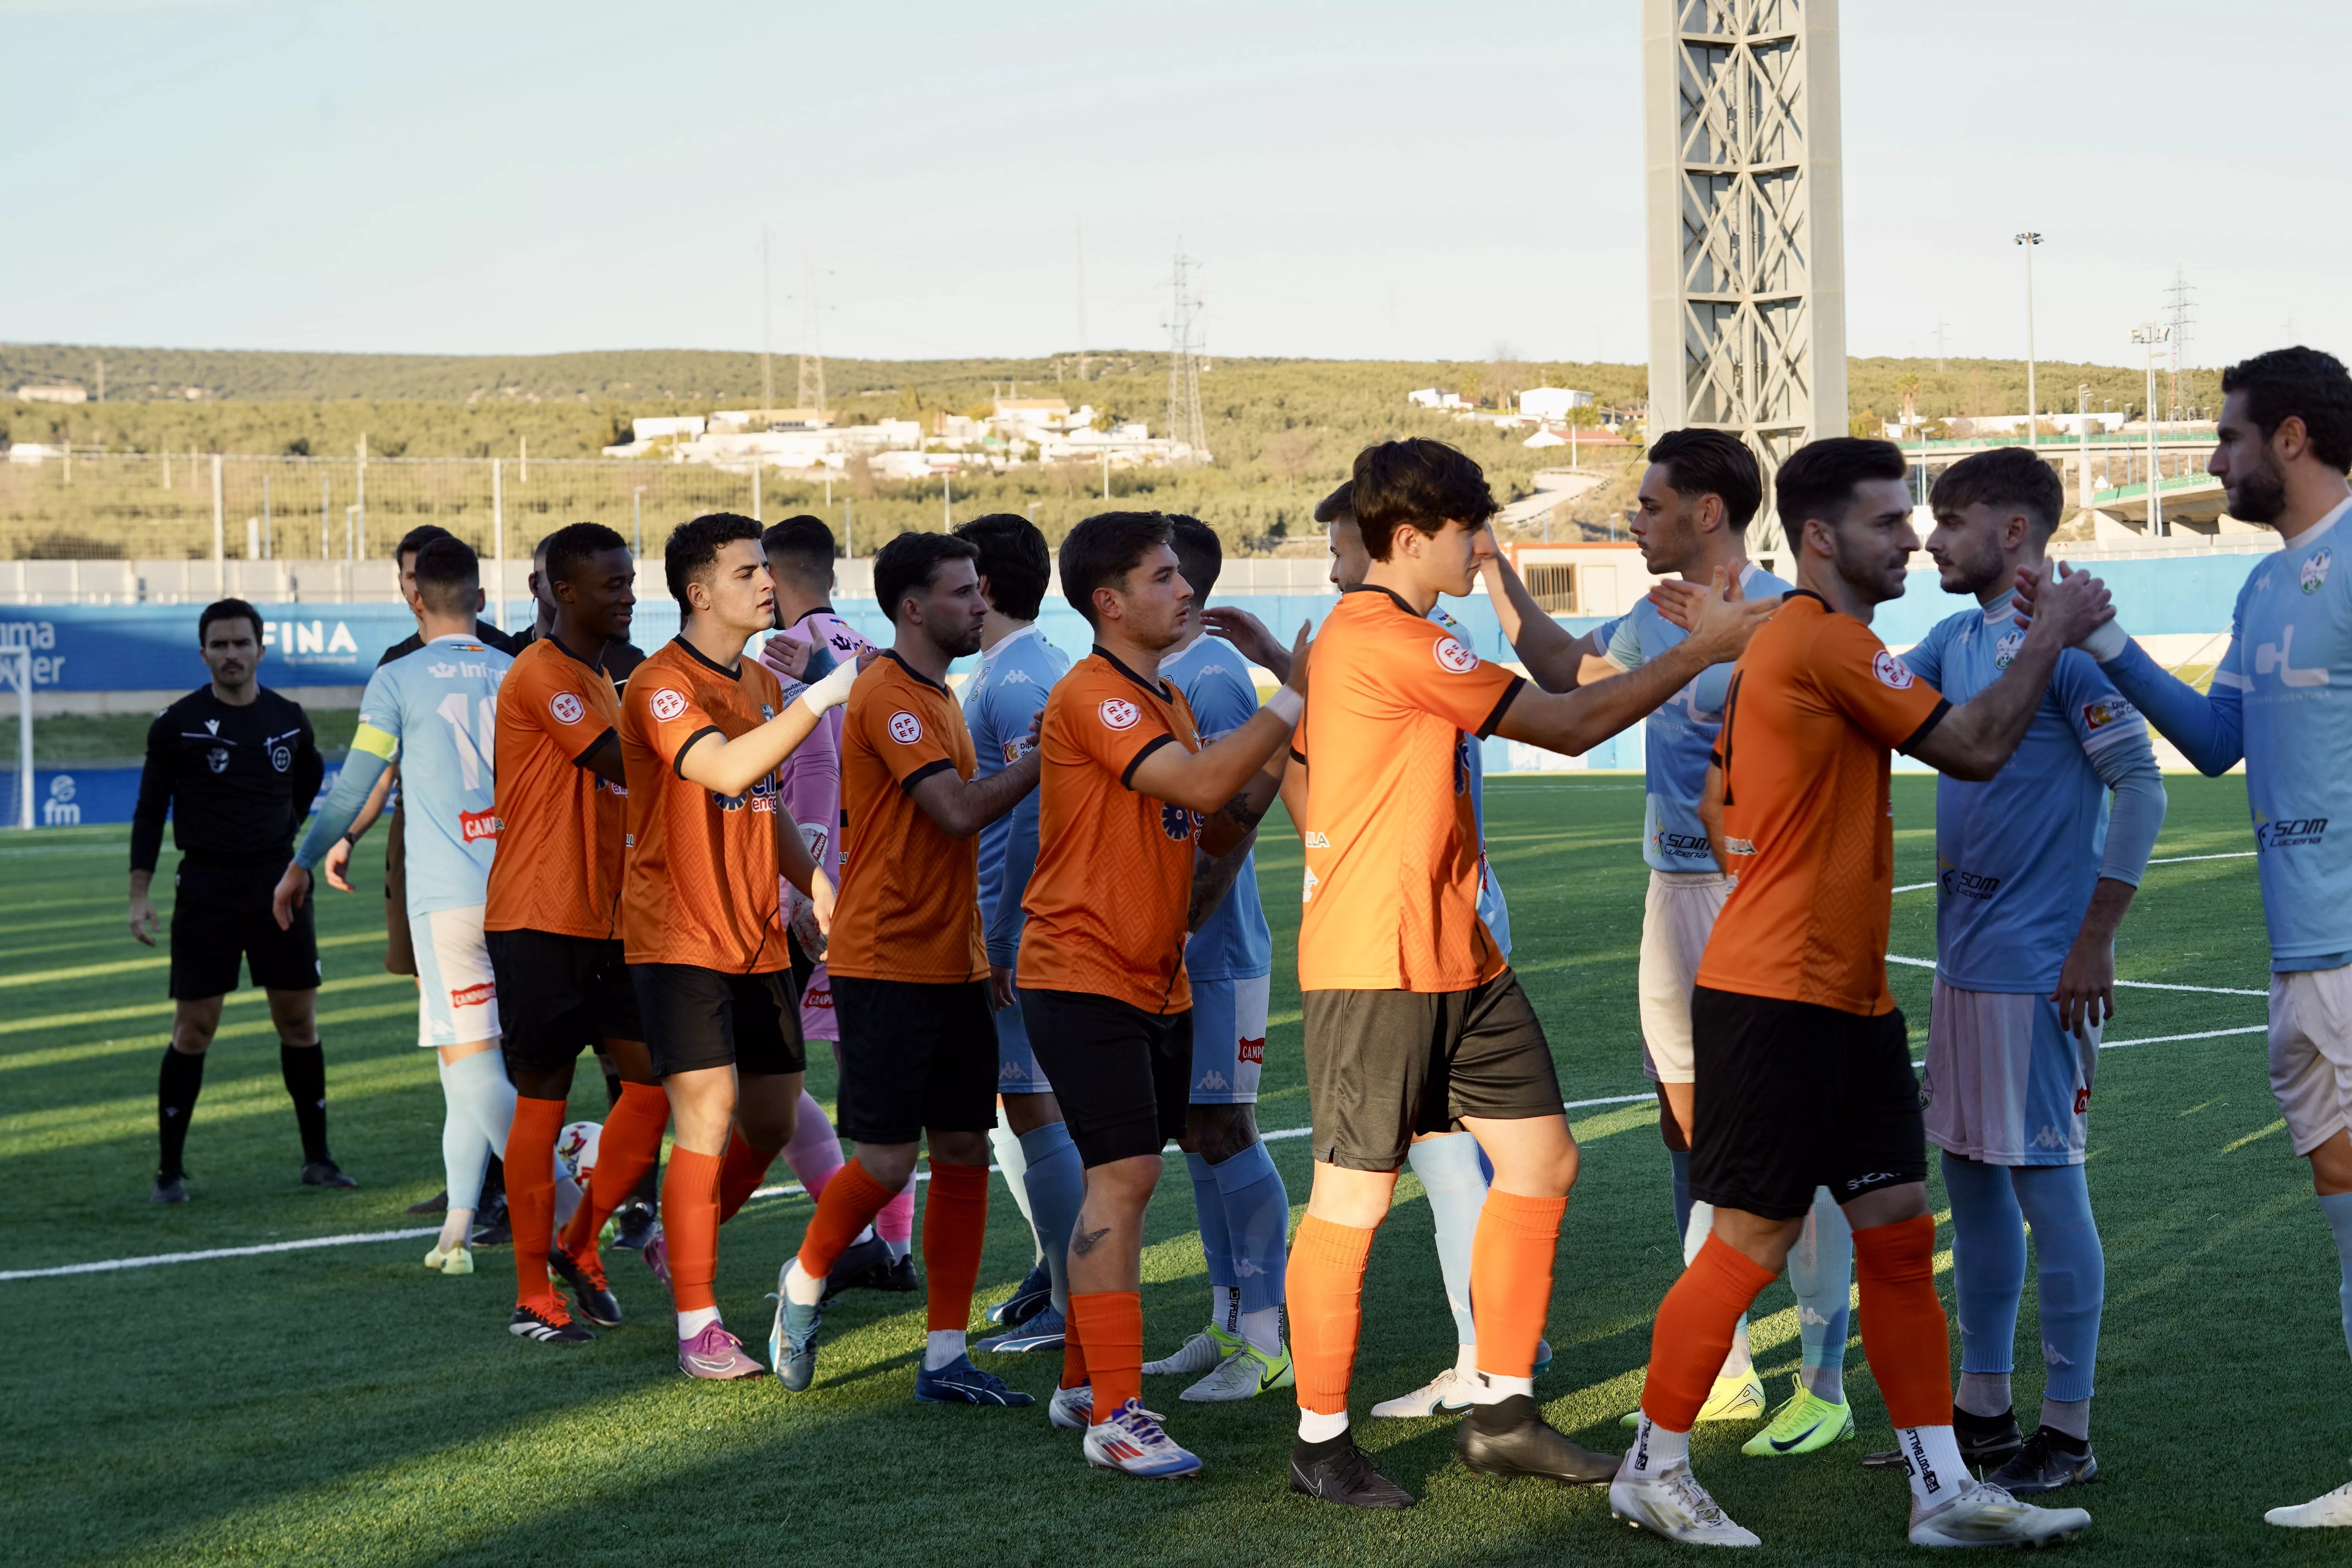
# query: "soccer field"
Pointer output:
{"type": "Point", "coordinates": [342, 1403]}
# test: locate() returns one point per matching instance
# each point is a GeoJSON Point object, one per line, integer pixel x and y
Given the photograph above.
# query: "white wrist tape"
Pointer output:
{"type": "Point", "coordinates": [832, 690]}
{"type": "Point", "coordinates": [2108, 642]}
{"type": "Point", "coordinates": [1286, 705]}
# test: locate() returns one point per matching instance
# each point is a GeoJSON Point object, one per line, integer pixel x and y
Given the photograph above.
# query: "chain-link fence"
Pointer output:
{"type": "Point", "coordinates": [165, 505]}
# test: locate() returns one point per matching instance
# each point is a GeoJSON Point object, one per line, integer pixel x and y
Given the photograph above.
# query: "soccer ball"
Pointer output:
{"type": "Point", "coordinates": [575, 1148]}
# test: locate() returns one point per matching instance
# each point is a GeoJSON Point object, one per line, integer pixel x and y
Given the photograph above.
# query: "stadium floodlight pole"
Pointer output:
{"type": "Point", "coordinates": [756, 466]}
{"type": "Point", "coordinates": [637, 522]}
{"type": "Point", "coordinates": [2150, 335]}
{"type": "Point", "coordinates": [220, 554]}
{"type": "Point", "coordinates": [2032, 407]}
{"type": "Point", "coordinates": [326, 534]}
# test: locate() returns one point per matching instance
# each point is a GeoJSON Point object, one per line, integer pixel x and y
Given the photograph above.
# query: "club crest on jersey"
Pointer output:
{"type": "Point", "coordinates": [281, 756]}
{"type": "Point", "coordinates": [1892, 671]}
{"type": "Point", "coordinates": [2006, 649]}
{"type": "Point", "coordinates": [476, 825]}
{"type": "Point", "coordinates": [1454, 655]}
{"type": "Point", "coordinates": [667, 704]}
{"type": "Point", "coordinates": [567, 707]}
{"type": "Point", "coordinates": [217, 759]}
{"type": "Point", "coordinates": [1119, 713]}
{"type": "Point", "coordinates": [2315, 570]}
{"type": "Point", "coordinates": [1178, 823]}
{"type": "Point", "coordinates": [905, 728]}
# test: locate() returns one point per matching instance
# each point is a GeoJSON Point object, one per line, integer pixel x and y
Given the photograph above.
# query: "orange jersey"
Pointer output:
{"type": "Point", "coordinates": [1108, 900]}
{"type": "Point", "coordinates": [560, 826]}
{"type": "Point", "coordinates": [910, 903]}
{"type": "Point", "coordinates": [1814, 706]}
{"type": "Point", "coordinates": [1391, 886]}
{"type": "Point", "coordinates": [701, 887]}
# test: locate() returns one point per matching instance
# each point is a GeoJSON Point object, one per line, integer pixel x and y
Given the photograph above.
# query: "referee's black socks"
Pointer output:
{"type": "Point", "coordinates": [304, 1068]}
{"type": "Point", "coordinates": [176, 1088]}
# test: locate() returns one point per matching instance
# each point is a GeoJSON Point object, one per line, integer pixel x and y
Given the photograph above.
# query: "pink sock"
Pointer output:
{"type": "Point", "coordinates": [815, 1152]}
{"type": "Point", "coordinates": [896, 1223]}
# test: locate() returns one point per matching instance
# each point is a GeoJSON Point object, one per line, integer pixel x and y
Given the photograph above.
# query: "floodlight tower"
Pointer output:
{"type": "Point", "coordinates": [1747, 230]}
{"type": "Point", "coordinates": [1185, 427]}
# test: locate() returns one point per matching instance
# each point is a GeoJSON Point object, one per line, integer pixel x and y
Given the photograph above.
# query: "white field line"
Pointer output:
{"type": "Point", "coordinates": [110, 1264]}
{"type": "Point", "coordinates": [2161, 860]}
{"type": "Point", "coordinates": [2132, 984]}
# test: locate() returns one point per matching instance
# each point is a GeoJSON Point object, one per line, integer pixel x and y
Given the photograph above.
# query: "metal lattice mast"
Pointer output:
{"type": "Point", "coordinates": [2179, 303]}
{"type": "Point", "coordinates": [1747, 234]}
{"type": "Point", "coordinates": [811, 393]}
{"type": "Point", "coordinates": [1187, 433]}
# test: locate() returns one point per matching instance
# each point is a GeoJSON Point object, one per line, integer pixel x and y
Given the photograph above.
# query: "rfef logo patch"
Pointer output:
{"type": "Point", "coordinates": [1892, 671]}
{"type": "Point", "coordinates": [1454, 655]}
{"type": "Point", "coordinates": [1119, 713]}
{"type": "Point", "coordinates": [667, 704]}
{"type": "Point", "coordinates": [905, 728]}
{"type": "Point", "coordinates": [475, 826]}
{"type": "Point", "coordinates": [567, 707]}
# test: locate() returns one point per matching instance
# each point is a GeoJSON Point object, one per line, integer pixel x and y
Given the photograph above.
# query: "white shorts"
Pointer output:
{"type": "Point", "coordinates": [2311, 1053]}
{"type": "Point", "coordinates": [1677, 917]}
{"type": "Point", "coordinates": [457, 996]}
{"type": "Point", "coordinates": [2006, 1082]}
{"type": "Point", "coordinates": [1229, 1040]}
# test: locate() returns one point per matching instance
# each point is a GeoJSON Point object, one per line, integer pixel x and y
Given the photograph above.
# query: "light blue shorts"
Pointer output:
{"type": "Point", "coordinates": [1017, 1071]}
{"type": "Point", "coordinates": [2005, 1082]}
{"type": "Point", "coordinates": [1228, 1039]}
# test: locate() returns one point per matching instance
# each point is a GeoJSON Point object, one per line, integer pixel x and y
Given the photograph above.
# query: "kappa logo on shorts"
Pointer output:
{"type": "Point", "coordinates": [1892, 671]}
{"type": "Point", "coordinates": [667, 704]}
{"type": "Point", "coordinates": [474, 995]}
{"type": "Point", "coordinates": [476, 825]}
{"type": "Point", "coordinates": [1454, 655]}
{"type": "Point", "coordinates": [1251, 1050]}
{"type": "Point", "coordinates": [1119, 713]}
{"type": "Point", "coordinates": [567, 707]}
{"type": "Point", "coordinates": [905, 728]}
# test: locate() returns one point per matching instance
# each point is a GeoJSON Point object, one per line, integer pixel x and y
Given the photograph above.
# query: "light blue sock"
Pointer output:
{"type": "Point", "coordinates": [1453, 1172]}
{"type": "Point", "coordinates": [1987, 1270]}
{"type": "Point", "coordinates": [1057, 1184]}
{"type": "Point", "coordinates": [1257, 1222]}
{"type": "Point", "coordinates": [1216, 1244]}
{"type": "Point", "coordinates": [2071, 1273]}
{"type": "Point", "coordinates": [2338, 1207]}
{"type": "Point", "coordinates": [478, 1109]}
{"type": "Point", "coordinates": [1820, 1271]}
{"type": "Point", "coordinates": [1680, 1159]}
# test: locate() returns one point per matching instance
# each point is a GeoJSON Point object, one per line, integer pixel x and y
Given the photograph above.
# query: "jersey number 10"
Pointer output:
{"type": "Point", "coordinates": [473, 754]}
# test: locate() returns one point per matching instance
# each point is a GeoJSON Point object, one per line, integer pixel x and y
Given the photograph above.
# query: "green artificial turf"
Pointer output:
{"type": "Point", "coordinates": [345, 1404]}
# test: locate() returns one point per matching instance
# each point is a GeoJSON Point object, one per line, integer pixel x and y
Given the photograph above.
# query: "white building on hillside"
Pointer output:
{"type": "Point", "coordinates": [1431, 397]}
{"type": "Point", "coordinates": [1551, 403]}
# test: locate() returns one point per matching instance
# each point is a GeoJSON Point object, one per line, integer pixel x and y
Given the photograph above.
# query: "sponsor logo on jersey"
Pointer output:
{"type": "Point", "coordinates": [474, 995]}
{"type": "Point", "coordinates": [905, 728]}
{"type": "Point", "coordinates": [1251, 1050]}
{"type": "Point", "coordinates": [2006, 649]}
{"type": "Point", "coordinates": [2315, 570]}
{"type": "Point", "coordinates": [815, 836]}
{"type": "Point", "coordinates": [567, 707]}
{"type": "Point", "coordinates": [1740, 845]}
{"type": "Point", "coordinates": [1891, 671]}
{"type": "Point", "coordinates": [473, 825]}
{"type": "Point", "coordinates": [1306, 888]}
{"type": "Point", "coordinates": [1018, 747]}
{"type": "Point", "coordinates": [217, 759]}
{"type": "Point", "coordinates": [2287, 833]}
{"type": "Point", "coordinates": [2105, 711]}
{"type": "Point", "coordinates": [1119, 713]}
{"type": "Point", "coordinates": [1683, 846]}
{"type": "Point", "coordinates": [1318, 841]}
{"type": "Point", "coordinates": [1964, 884]}
{"type": "Point", "coordinates": [667, 705]}
{"type": "Point", "coordinates": [1178, 823]}
{"type": "Point", "coordinates": [1454, 655]}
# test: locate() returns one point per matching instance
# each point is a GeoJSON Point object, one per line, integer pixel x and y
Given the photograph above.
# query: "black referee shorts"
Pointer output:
{"type": "Point", "coordinates": [221, 920]}
{"type": "Point", "coordinates": [1122, 1077]}
{"type": "Point", "coordinates": [1791, 1096]}
{"type": "Point", "coordinates": [560, 994]}
{"type": "Point", "coordinates": [914, 1054]}
{"type": "Point", "coordinates": [695, 1017]}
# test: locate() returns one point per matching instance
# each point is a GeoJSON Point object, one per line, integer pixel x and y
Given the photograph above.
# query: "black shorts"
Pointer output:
{"type": "Point", "coordinates": [914, 1054]}
{"type": "Point", "coordinates": [1122, 1077]}
{"type": "Point", "coordinates": [1791, 1096]}
{"type": "Point", "coordinates": [221, 919]}
{"type": "Point", "coordinates": [399, 945]}
{"type": "Point", "coordinates": [1384, 1066]}
{"type": "Point", "coordinates": [696, 1017]}
{"type": "Point", "coordinates": [559, 993]}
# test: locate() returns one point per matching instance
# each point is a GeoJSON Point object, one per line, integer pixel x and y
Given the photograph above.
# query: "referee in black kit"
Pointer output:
{"type": "Point", "coordinates": [236, 768]}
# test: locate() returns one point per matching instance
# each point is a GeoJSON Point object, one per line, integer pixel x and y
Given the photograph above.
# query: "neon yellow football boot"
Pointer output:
{"type": "Point", "coordinates": [1804, 1423]}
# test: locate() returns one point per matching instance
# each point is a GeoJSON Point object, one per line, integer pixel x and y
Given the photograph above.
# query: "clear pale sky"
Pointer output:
{"type": "Point", "coordinates": [1361, 181]}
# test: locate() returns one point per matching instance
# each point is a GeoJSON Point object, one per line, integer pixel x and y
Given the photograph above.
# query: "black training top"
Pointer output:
{"type": "Point", "coordinates": [237, 781]}
{"type": "Point", "coordinates": [486, 633]}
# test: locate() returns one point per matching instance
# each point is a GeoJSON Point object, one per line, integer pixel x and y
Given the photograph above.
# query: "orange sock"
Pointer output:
{"type": "Point", "coordinates": [955, 1222]}
{"type": "Point", "coordinates": [1112, 1322]}
{"type": "Point", "coordinates": [689, 1218]}
{"type": "Point", "coordinates": [625, 1150]}
{"type": "Point", "coordinates": [530, 1155]}
{"type": "Point", "coordinates": [1510, 1278]}
{"type": "Point", "coordinates": [1693, 1332]}
{"type": "Point", "coordinates": [1904, 1331]}
{"type": "Point", "coordinates": [851, 1201]}
{"type": "Point", "coordinates": [1073, 1355]}
{"type": "Point", "coordinates": [1326, 1291]}
{"type": "Point", "coordinates": [740, 1177]}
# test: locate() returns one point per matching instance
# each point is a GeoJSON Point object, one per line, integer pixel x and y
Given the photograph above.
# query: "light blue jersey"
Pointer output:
{"type": "Point", "coordinates": [999, 705]}
{"type": "Point", "coordinates": [1234, 944]}
{"type": "Point", "coordinates": [2281, 699]}
{"type": "Point", "coordinates": [2018, 855]}
{"type": "Point", "coordinates": [434, 711]}
{"type": "Point", "coordinates": [1472, 761]}
{"type": "Point", "coordinates": [1678, 738]}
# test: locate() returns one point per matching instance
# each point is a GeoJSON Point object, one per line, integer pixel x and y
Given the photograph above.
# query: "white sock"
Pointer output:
{"type": "Point", "coordinates": [941, 1347]}
{"type": "Point", "coordinates": [692, 1323]}
{"type": "Point", "coordinates": [456, 1227]}
{"type": "Point", "coordinates": [1492, 1388]}
{"type": "Point", "coordinates": [898, 1249]}
{"type": "Point", "coordinates": [802, 1288]}
{"type": "Point", "coordinates": [1656, 1450]}
{"type": "Point", "coordinates": [1225, 1307]}
{"type": "Point", "coordinates": [1932, 1455]}
{"type": "Point", "coordinates": [1466, 1361]}
{"type": "Point", "coordinates": [1316, 1427]}
{"type": "Point", "coordinates": [1262, 1329]}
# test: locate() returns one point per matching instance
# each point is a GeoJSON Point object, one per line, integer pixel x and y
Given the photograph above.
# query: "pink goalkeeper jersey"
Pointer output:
{"type": "Point", "coordinates": [811, 782]}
